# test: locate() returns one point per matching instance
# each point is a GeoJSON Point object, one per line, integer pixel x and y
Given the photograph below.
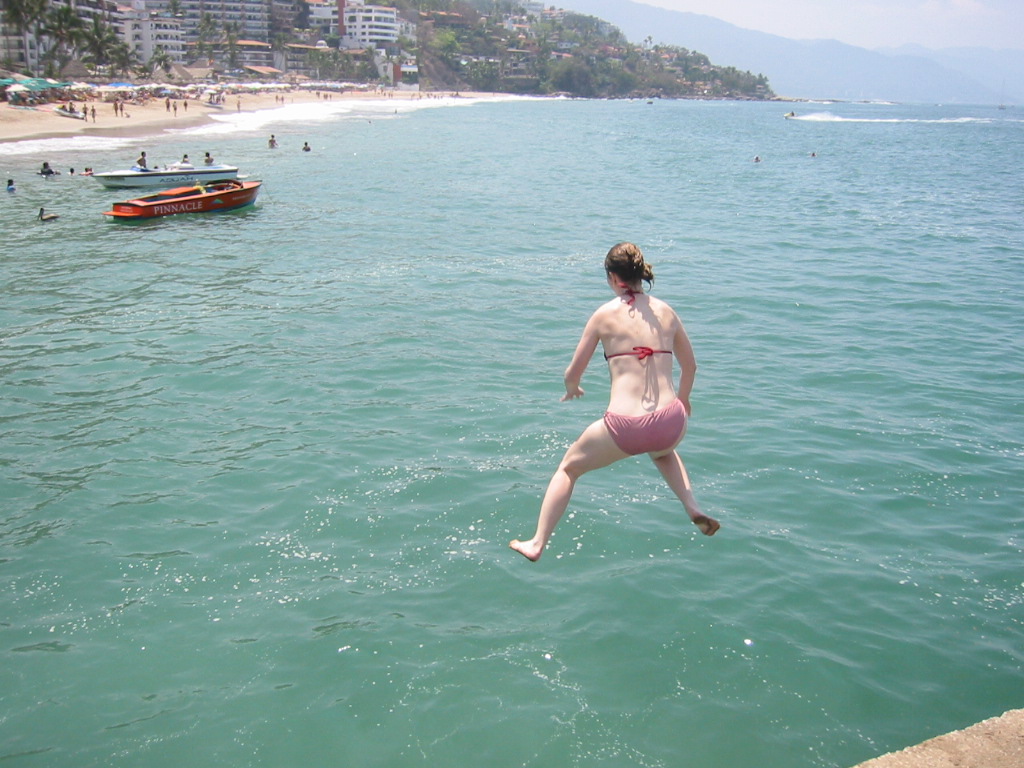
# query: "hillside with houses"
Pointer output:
{"type": "Point", "coordinates": [480, 45]}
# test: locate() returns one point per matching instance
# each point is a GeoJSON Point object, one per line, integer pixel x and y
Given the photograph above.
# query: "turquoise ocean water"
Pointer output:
{"type": "Point", "coordinates": [258, 471]}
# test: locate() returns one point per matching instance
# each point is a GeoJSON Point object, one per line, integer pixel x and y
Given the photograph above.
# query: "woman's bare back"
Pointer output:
{"type": "Point", "coordinates": [640, 382]}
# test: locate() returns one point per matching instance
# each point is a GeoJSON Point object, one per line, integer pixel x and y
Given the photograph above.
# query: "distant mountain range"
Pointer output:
{"type": "Point", "coordinates": [827, 69]}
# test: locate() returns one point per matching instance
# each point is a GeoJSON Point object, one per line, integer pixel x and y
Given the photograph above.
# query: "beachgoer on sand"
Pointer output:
{"type": "Point", "coordinates": [640, 335]}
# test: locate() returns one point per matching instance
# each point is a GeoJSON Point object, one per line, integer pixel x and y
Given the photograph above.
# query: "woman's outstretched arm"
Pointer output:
{"type": "Point", "coordinates": [580, 359]}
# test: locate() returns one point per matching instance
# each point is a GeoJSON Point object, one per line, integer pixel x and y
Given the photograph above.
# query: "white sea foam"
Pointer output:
{"type": "Point", "coordinates": [310, 112]}
{"type": "Point", "coordinates": [829, 117]}
{"type": "Point", "coordinates": [64, 144]}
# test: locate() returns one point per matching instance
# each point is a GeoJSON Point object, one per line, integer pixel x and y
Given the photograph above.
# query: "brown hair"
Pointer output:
{"type": "Point", "coordinates": [626, 262]}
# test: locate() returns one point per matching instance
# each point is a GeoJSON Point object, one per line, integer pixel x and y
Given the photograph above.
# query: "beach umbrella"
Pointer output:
{"type": "Point", "coordinates": [42, 84]}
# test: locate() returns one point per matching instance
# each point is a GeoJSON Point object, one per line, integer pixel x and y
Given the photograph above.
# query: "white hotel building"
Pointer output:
{"type": "Point", "coordinates": [361, 25]}
{"type": "Point", "coordinates": [146, 31]}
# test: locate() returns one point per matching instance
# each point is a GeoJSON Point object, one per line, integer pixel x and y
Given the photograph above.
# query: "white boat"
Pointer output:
{"type": "Point", "coordinates": [175, 175]}
{"type": "Point", "coordinates": [65, 112]}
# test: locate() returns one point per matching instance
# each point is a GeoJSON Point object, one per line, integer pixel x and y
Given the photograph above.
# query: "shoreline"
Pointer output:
{"type": "Point", "coordinates": [41, 123]}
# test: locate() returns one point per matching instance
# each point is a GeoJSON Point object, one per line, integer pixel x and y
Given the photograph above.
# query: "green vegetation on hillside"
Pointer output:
{"type": "Point", "coordinates": [494, 46]}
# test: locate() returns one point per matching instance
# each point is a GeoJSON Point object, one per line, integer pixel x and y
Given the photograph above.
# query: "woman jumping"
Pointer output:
{"type": "Point", "coordinates": [640, 336]}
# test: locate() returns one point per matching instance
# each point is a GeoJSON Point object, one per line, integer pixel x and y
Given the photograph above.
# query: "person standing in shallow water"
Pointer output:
{"type": "Point", "coordinates": [646, 413]}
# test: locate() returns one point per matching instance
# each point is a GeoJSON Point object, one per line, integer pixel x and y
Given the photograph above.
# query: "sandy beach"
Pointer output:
{"type": "Point", "coordinates": [18, 124]}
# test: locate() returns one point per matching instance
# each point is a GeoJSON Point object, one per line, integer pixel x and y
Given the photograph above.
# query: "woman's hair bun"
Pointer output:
{"type": "Point", "coordinates": [626, 261]}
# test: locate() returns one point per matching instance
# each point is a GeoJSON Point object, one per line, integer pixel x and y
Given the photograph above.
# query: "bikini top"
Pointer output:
{"type": "Point", "coordinates": [640, 353]}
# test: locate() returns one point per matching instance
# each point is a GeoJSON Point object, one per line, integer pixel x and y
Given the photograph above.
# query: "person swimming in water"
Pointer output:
{"type": "Point", "coordinates": [646, 413]}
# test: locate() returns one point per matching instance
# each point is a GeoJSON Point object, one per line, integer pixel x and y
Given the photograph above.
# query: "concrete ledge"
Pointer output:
{"type": "Point", "coordinates": [994, 743]}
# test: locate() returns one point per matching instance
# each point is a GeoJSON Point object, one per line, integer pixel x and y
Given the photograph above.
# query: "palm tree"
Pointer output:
{"type": "Point", "coordinates": [122, 58]}
{"type": "Point", "coordinates": [231, 35]}
{"type": "Point", "coordinates": [64, 26]}
{"type": "Point", "coordinates": [206, 31]}
{"type": "Point", "coordinates": [98, 42]}
{"type": "Point", "coordinates": [23, 16]}
{"type": "Point", "coordinates": [325, 63]}
{"type": "Point", "coordinates": [162, 59]}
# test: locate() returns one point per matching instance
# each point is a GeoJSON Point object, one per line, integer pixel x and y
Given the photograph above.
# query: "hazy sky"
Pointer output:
{"type": "Point", "coordinates": [873, 23]}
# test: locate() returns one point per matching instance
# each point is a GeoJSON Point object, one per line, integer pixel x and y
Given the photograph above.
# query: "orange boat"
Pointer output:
{"type": "Point", "coordinates": [223, 195]}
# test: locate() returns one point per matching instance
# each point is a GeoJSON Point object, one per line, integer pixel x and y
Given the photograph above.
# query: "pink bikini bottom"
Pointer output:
{"type": "Point", "coordinates": [651, 432]}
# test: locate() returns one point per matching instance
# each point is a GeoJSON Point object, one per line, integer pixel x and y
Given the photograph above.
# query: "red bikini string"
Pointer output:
{"type": "Point", "coordinates": [631, 293]}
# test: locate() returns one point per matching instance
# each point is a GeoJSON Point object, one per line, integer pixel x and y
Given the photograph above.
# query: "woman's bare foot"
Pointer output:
{"type": "Point", "coordinates": [708, 525]}
{"type": "Point", "coordinates": [527, 549]}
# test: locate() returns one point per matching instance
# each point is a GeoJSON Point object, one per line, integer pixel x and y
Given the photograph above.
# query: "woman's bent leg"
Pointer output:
{"type": "Point", "coordinates": [592, 450]}
{"type": "Point", "coordinates": [674, 472]}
